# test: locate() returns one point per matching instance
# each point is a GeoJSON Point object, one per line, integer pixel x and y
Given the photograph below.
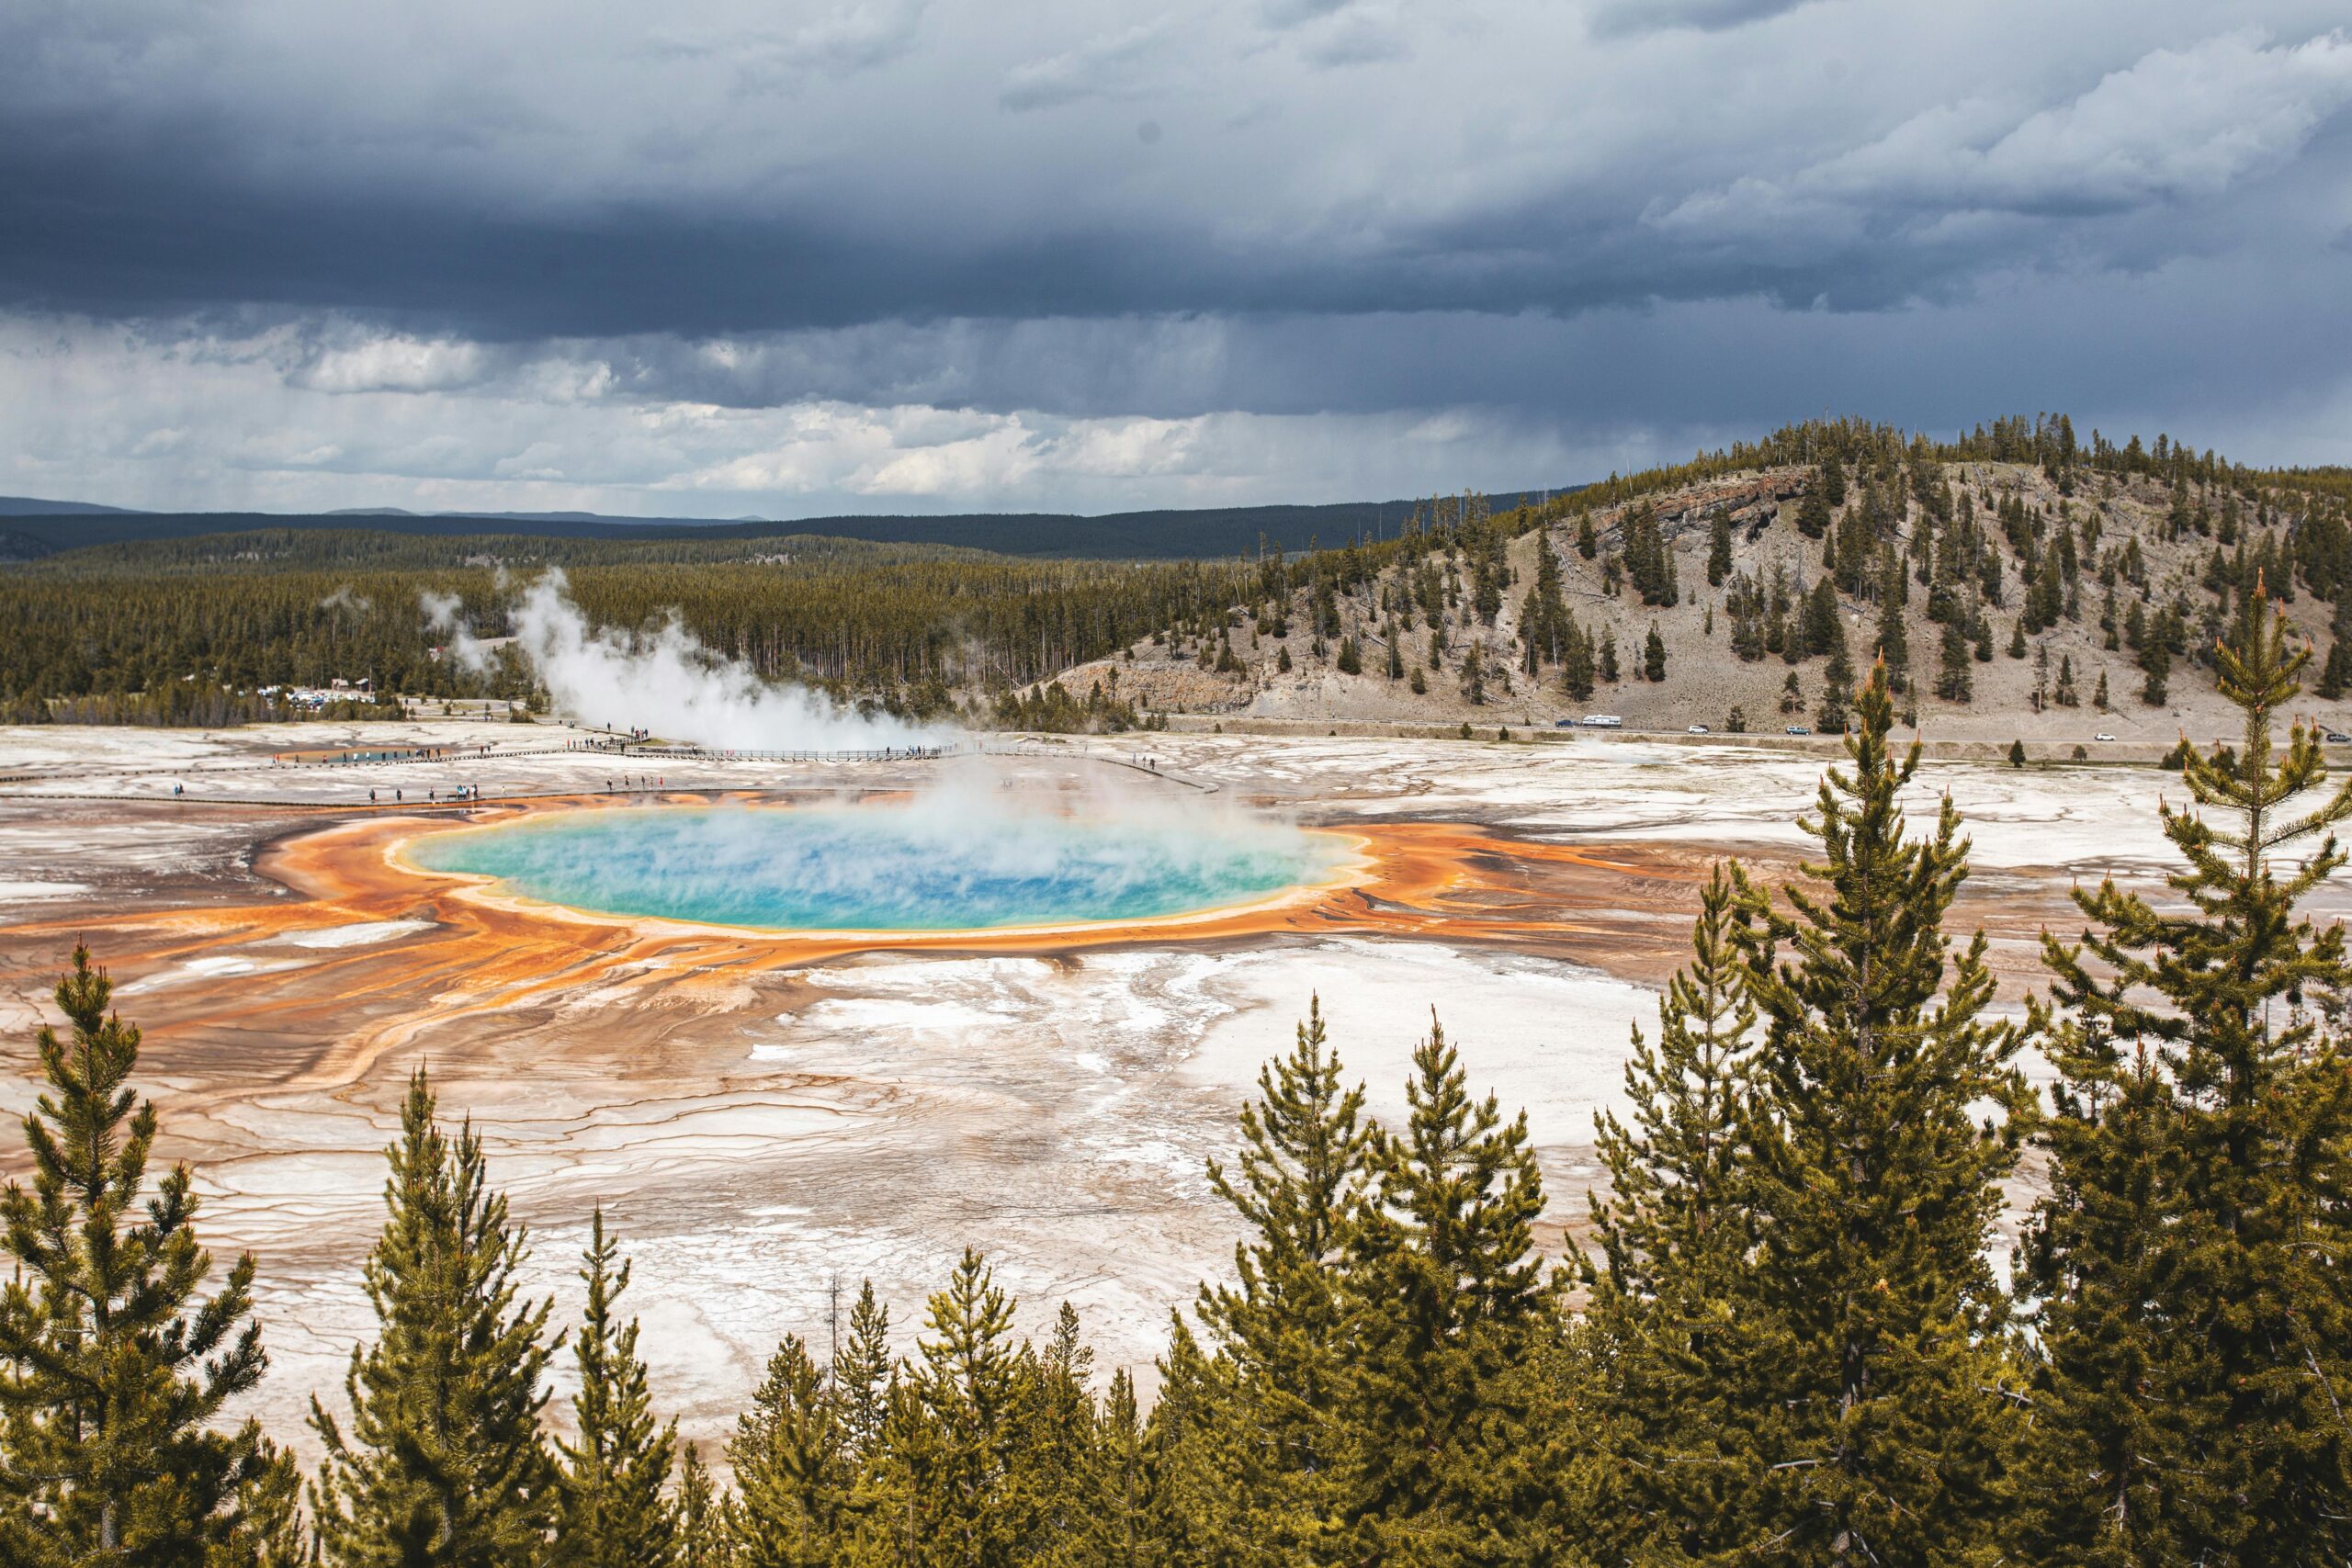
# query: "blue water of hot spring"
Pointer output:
{"type": "Point", "coordinates": [881, 867]}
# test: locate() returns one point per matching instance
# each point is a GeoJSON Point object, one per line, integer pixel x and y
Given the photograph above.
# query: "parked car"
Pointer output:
{"type": "Point", "coordinates": [1698, 729]}
{"type": "Point", "coordinates": [1798, 730]}
{"type": "Point", "coordinates": [1604, 721]}
{"type": "Point", "coordinates": [2102, 735]}
{"type": "Point", "coordinates": [2338, 737]}
{"type": "Point", "coordinates": [1564, 724]}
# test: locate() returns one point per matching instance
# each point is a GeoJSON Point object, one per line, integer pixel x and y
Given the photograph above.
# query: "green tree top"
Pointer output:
{"type": "Point", "coordinates": [114, 1370]}
{"type": "Point", "coordinates": [443, 1463]}
{"type": "Point", "coordinates": [2196, 1331]}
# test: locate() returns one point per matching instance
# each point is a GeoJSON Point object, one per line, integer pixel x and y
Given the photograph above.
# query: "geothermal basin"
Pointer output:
{"type": "Point", "coordinates": [799, 1024]}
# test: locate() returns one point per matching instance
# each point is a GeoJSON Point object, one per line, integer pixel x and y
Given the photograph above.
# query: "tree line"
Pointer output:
{"type": "Point", "coordinates": [917, 629]}
{"type": "Point", "coordinates": [1792, 1337]}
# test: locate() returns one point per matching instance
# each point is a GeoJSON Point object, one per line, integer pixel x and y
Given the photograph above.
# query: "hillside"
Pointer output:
{"type": "Point", "coordinates": [2025, 626]}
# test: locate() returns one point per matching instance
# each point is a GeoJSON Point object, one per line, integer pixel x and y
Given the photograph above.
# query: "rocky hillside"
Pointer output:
{"type": "Point", "coordinates": [2009, 597]}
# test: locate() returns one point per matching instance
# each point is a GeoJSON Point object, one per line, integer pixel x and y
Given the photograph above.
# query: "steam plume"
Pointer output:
{"type": "Point", "coordinates": [671, 685]}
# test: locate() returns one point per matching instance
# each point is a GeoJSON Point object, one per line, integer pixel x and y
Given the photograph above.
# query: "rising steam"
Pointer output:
{"type": "Point", "coordinates": [667, 682]}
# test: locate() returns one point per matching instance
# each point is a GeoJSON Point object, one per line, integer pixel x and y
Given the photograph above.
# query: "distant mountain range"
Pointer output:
{"type": "Point", "coordinates": [34, 527]}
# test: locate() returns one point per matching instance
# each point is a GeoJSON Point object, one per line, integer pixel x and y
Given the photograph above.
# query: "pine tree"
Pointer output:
{"type": "Point", "coordinates": [2156, 663]}
{"type": "Point", "coordinates": [1195, 1457]}
{"type": "Point", "coordinates": [792, 1467]}
{"type": "Point", "coordinates": [862, 1372]}
{"type": "Point", "coordinates": [610, 1511]}
{"type": "Point", "coordinates": [703, 1525]}
{"type": "Point", "coordinates": [1955, 684]}
{"type": "Point", "coordinates": [967, 1384]}
{"type": "Point", "coordinates": [1052, 1468]}
{"type": "Point", "coordinates": [114, 1370]}
{"type": "Point", "coordinates": [1303, 1171]}
{"type": "Point", "coordinates": [2195, 1331]}
{"type": "Point", "coordinates": [1893, 640]}
{"type": "Point", "coordinates": [1575, 669]}
{"type": "Point", "coordinates": [1125, 1530]}
{"type": "Point", "coordinates": [1718, 547]}
{"type": "Point", "coordinates": [2336, 675]}
{"type": "Point", "coordinates": [1448, 1302]}
{"type": "Point", "coordinates": [1654, 655]}
{"type": "Point", "coordinates": [1877, 1428]}
{"type": "Point", "coordinates": [443, 1465]}
{"type": "Point", "coordinates": [1673, 1234]}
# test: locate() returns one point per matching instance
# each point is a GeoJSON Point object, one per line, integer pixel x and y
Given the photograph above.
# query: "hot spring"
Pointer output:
{"type": "Point", "coordinates": [884, 868]}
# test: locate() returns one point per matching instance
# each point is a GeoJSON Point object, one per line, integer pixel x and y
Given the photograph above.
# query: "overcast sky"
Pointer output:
{"type": "Point", "coordinates": [730, 257]}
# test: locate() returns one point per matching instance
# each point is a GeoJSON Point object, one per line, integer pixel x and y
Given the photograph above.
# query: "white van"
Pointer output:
{"type": "Point", "coordinates": [1604, 721]}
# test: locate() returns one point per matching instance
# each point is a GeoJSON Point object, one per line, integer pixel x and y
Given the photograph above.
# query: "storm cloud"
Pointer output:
{"type": "Point", "coordinates": [747, 257]}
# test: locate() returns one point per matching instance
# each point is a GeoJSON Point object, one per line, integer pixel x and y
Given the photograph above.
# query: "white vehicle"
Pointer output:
{"type": "Point", "coordinates": [1698, 729]}
{"type": "Point", "coordinates": [1604, 721]}
{"type": "Point", "coordinates": [2102, 735]}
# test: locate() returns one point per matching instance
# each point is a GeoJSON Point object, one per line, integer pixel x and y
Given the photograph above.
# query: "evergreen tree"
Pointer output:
{"type": "Point", "coordinates": [610, 1511]}
{"type": "Point", "coordinates": [443, 1465]}
{"type": "Point", "coordinates": [1718, 547]}
{"type": "Point", "coordinates": [1877, 1428]}
{"type": "Point", "coordinates": [1893, 640]}
{"type": "Point", "coordinates": [1955, 684]}
{"type": "Point", "coordinates": [112, 1370]}
{"type": "Point", "coordinates": [2155, 664]}
{"type": "Point", "coordinates": [792, 1467]}
{"type": "Point", "coordinates": [1575, 669]}
{"type": "Point", "coordinates": [2336, 675]}
{"type": "Point", "coordinates": [1654, 655]}
{"type": "Point", "coordinates": [703, 1526]}
{"type": "Point", "coordinates": [1194, 1459]}
{"type": "Point", "coordinates": [1125, 1533]}
{"type": "Point", "coordinates": [1587, 542]}
{"type": "Point", "coordinates": [1448, 1302]}
{"type": "Point", "coordinates": [1673, 1235]}
{"type": "Point", "coordinates": [1302, 1172]}
{"type": "Point", "coordinates": [968, 1385]}
{"type": "Point", "coordinates": [2195, 1324]}
{"type": "Point", "coordinates": [862, 1372]}
{"type": "Point", "coordinates": [1052, 1479]}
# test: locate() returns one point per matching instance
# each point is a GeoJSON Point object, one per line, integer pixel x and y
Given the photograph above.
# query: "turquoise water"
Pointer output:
{"type": "Point", "coordinates": [926, 867]}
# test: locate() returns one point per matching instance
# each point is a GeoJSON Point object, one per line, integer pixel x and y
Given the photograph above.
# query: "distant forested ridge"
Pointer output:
{"type": "Point", "coordinates": [1169, 534]}
{"type": "Point", "coordinates": [1423, 595]}
{"type": "Point", "coordinates": [1788, 1341]}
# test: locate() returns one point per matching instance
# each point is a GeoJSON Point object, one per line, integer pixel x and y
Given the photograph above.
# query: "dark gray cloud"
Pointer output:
{"type": "Point", "coordinates": [1660, 219]}
{"type": "Point", "coordinates": [1617, 18]}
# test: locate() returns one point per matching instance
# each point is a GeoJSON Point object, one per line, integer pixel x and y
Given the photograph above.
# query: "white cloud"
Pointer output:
{"type": "Point", "coordinates": [397, 362]}
{"type": "Point", "coordinates": [2173, 126]}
